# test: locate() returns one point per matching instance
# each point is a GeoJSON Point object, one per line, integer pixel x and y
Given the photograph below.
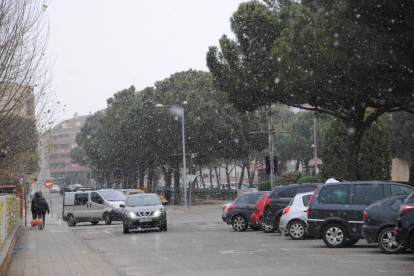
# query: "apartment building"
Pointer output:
{"type": "Point", "coordinates": [59, 144]}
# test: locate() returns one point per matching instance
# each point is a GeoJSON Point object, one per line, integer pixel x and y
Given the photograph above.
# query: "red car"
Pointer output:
{"type": "Point", "coordinates": [258, 210]}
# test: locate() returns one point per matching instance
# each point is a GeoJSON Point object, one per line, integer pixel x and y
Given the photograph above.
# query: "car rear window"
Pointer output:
{"type": "Point", "coordinates": [334, 194]}
{"type": "Point", "coordinates": [397, 204]}
{"type": "Point", "coordinates": [400, 189]}
{"type": "Point", "coordinates": [253, 199]}
{"type": "Point", "coordinates": [288, 193]}
{"type": "Point", "coordinates": [305, 200]}
{"type": "Point", "coordinates": [365, 194]}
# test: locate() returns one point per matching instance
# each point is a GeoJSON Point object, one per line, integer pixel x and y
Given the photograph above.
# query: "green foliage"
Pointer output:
{"type": "Point", "coordinates": [243, 68]}
{"type": "Point", "coordinates": [288, 178]}
{"type": "Point", "coordinates": [374, 160]}
{"type": "Point", "coordinates": [265, 186]}
{"type": "Point", "coordinates": [401, 125]}
{"type": "Point", "coordinates": [307, 179]}
{"type": "Point", "coordinates": [334, 149]}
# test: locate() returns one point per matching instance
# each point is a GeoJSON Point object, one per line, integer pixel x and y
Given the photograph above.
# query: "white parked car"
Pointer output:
{"type": "Point", "coordinates": [294, 221]}
{"type": "Point", "coordinates": [55, 189]}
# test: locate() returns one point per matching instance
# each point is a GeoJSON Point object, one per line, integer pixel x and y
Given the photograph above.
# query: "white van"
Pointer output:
{"type": "Point", "coordinates": [93, 206]}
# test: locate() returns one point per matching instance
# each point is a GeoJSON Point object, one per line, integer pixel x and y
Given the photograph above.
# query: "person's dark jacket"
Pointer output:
{"type": "Point", "coordinates": [33, 207]}
{"type": "Point", "coordinates": [42, 206]}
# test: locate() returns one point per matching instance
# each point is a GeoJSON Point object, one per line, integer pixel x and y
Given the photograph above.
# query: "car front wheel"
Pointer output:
{"type": "Point", "coordinates": [297, 230]}
{"type": "Point", "coordinates": [126, 229]}
{"type": "Point", "coordinates": [107, 219]}
{"type": "Point", "coordinates": [239, 223]}
{"type": "Point", "coordinates": [334, 235]}
{"type": "Point", "coordinates": [71, 221]}
{"type": "Point", "coordinates": [267, 228]}
{"type": "Point", "coordinates": [387, 243]}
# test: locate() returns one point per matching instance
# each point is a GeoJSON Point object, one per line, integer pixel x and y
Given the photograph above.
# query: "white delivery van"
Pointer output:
{"type": "Point", "coordinates": [93, 206]}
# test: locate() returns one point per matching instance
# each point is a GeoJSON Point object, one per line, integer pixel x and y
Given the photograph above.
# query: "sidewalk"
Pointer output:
{"type": "Point", "coordinates": [55, 250]}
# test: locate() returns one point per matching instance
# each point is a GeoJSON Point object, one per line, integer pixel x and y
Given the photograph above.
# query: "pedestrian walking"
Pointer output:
{"type": "Point", "coordinates": [33, 207]}
{"type": "Point", "coordinates": [42, 208]}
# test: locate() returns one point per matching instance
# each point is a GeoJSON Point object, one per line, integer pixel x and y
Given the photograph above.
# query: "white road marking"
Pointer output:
{"type": "Point", "coordinates": [375, 262]}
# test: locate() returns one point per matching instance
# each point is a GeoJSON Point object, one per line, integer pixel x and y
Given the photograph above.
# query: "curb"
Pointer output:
{"type": "Point", "coordinates": [8, 246]}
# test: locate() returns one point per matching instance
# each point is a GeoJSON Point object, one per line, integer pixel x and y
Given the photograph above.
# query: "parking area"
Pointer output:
{"type": "Point", "coordinates": [199, 243]}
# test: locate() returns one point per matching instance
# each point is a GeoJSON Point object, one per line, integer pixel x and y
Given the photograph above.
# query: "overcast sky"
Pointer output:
{"type": "Point", "coordinates": [100, 47]}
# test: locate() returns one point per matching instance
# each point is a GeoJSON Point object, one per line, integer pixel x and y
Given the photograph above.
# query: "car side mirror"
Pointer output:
{"type": "Point", "coordinates": [164, 203]}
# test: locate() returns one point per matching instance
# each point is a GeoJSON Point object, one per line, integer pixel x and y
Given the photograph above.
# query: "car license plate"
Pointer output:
{"type": "Point", "coordinates": [144, 220]}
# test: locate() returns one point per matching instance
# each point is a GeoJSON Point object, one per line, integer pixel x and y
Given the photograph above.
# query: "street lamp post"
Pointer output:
{"type": "Point", "coordinates": [184, 164]}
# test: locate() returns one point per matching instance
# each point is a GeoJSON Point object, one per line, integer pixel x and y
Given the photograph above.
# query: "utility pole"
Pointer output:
{"type": "Point", "coordinates": [270, 132]}
{"type": "Point", "coordinates": [314, 140]}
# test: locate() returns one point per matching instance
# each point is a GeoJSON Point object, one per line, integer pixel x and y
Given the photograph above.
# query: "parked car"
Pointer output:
{"type": "Point", "coordinates": [380, 219]}
{"type": "Point", "coordinates": [93, 206]}
{"type": "Point", "coordinates": [335, 210]}
{"type": "Point", "coordinates": [258, 210]}
{"type": "Point", "coordinates": [278, 199]}
{"type": "Point", "coordinates": [144, 212]}
{"type": "Point", "coordinates": [134, 192]}
{"type": "Point", "coordinates": [239, 213]}
{"type": "Point", "coordinates": [55, 189]}
{"type": "Point", "coordinates": [294, 220]}
{"type": "Point", "coordinates": [162, 198]}
{"type": "Point", "coordinates": [66, 190]}
{"type": "Point", "coordinates": [404, 232]}
{"type": "Point", "coordinates": [125, 191]}
{"type": "Point", "coordinates": [76, 187]}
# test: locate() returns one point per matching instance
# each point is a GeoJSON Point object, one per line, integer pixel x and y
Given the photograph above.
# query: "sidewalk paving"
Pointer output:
{"type": "Point", "coordinates": [55, 250]}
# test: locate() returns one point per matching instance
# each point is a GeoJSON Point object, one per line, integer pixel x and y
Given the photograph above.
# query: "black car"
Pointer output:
{"type": "Point", "coordinates": [239, 213]}
{"type": "Point", "coordinates": [144, 212]}
{"type": "Point", "coordinates": [335, 210]}
{"type": "Point", "coordinates": [404, 232]}
{"type": "Point", "coordinates": [278, 199]}
{"type": "Point", "coordinates": [380, 219]}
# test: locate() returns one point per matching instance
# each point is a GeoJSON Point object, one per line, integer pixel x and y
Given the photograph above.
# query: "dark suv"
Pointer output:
{"type": "Point", "coordinates": [404, 232]}
{"type": "Point", "coordinates": [278, 199]}
{"type": "Point", "coordinates": [335, 210]}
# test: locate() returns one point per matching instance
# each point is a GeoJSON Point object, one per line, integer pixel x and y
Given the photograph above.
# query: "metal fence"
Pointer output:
{"type": "Point", "coordinates": [9, 215]}
{"type": "Point", "coordinates": [207, 194]}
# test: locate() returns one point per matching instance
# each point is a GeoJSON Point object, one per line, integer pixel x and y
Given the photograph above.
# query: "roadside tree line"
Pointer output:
{"type": "Point", "coordinates": [348, 59]}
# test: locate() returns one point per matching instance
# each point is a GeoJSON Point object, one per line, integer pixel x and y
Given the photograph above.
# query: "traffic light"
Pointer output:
{"type": "Point", "coordinates": [267, 161]}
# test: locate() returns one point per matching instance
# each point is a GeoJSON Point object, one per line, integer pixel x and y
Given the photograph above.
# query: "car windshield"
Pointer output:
{"type": "Point", "coordinates": [143, 200]}
{"type": "Point", "coordinates": [113, 195]}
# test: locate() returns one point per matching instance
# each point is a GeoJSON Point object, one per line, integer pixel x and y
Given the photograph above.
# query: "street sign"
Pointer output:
{"type": "Point", "coordinates": [48, 183]}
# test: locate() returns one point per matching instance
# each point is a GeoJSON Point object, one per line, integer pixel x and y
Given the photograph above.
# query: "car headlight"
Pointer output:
{"type": "Point", "coordinates": [115, 206]}
{"type": "Point", "coordinates": [158, 213]}
{"type": "Point", "coordinates": [131, 215]}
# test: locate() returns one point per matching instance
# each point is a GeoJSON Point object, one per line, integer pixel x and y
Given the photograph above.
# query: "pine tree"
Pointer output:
{"type": "Point", "coordinates": [374, 160]}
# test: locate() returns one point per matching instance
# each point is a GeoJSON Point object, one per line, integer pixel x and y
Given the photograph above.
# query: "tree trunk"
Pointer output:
{"type": "Point", "coordinates": [411, 171]}
{"type": "Point", "coordinates": [241, 176]}
{"type": "Point", "coordinates": [297, 166]}
{"type": "Point", "coordinates": [202, 177]}
{"type": "Point", "coordinates": [177, 186]}
{"type": "Point", "coordinates": [228, 176]}
{"type": "Point", "coordinates": [141, 176]}
{"type": "Point", "coordinates": [250, 176]}
{"type": "Point", "coordinates": [150, 179]}
{"type": "Point", "coordinates": [350, 165]}
{"type": "Point", "coordinates": [211, 179]}
{"type": "Point", "coordinates": [217, 177]}
{"type": "Point", "coordinates": [306, 164]}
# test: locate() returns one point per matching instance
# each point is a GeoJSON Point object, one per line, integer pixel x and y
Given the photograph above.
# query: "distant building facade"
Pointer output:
{"type": "Point", "coordinates": [56, 147]}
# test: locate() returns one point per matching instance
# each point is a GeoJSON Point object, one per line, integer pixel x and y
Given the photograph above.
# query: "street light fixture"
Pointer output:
{"type": "Point", "coordinates": [184, 168]}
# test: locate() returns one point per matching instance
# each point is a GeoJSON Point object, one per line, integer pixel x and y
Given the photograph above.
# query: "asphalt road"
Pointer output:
{"type": "Point", "coordinates": [199, 243]}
